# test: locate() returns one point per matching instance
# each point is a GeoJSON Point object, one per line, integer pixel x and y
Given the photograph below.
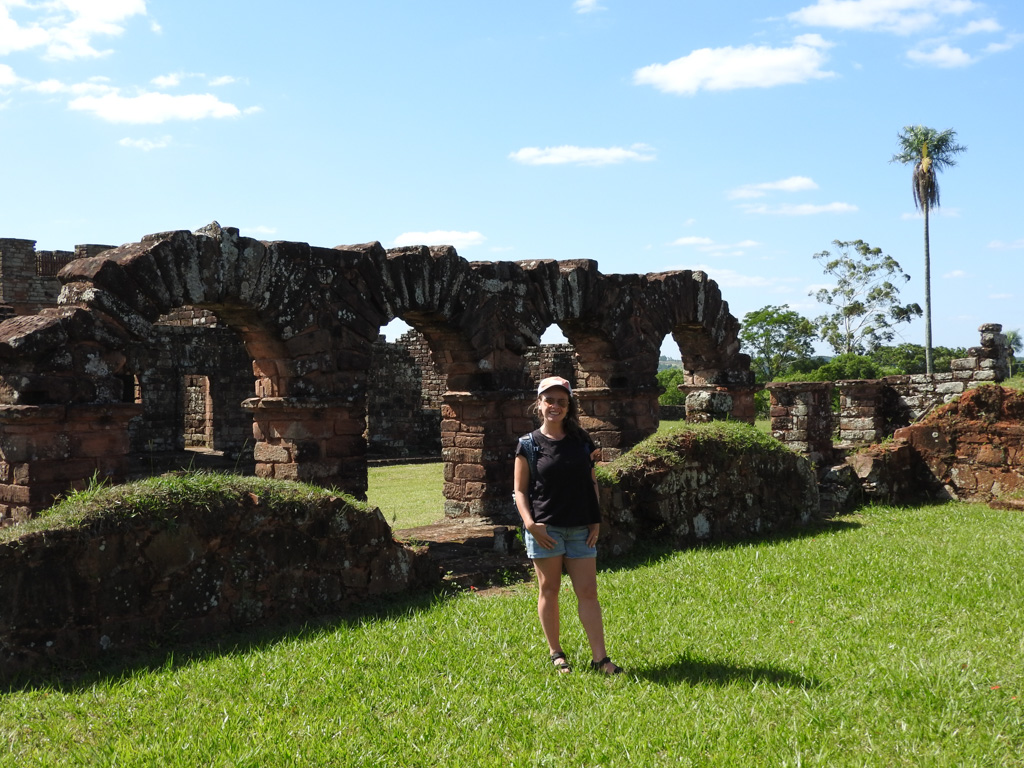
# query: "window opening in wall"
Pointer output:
{"type": "Point", "coordinates": [197, 413]}
{"type": "Point", "coordinates": [403, 428]}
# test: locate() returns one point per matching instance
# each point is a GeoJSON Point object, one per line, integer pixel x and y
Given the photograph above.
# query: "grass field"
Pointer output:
{"type": "Point", "coordinates": [892, 637]}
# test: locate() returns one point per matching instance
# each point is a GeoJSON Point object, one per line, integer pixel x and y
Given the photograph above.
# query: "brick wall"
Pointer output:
{"type": "Point", "coordinates": [116, 584]}
{"type": "Point", "coordinates": [28, 278]}
{"type": "Point", "coordinates": [871, 410]}
{"type": "Point", "coordinates": [403, 401]}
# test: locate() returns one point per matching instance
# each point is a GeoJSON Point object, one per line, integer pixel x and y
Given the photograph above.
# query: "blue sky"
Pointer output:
{"type": "Point", "coordinates": [740, 138]}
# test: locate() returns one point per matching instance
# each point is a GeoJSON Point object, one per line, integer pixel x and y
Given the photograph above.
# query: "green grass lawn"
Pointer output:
{"type": "Point", "coordinates": [892, 637]}
{"type": "Point", "coordinates": [409, 495]}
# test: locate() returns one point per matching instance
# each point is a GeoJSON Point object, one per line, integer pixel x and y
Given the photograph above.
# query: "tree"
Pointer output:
{"type": "Point", "coordinates": [909, 358]}
{"type": "Point", "coordinates": [776, 337]}
{"type": "Point", "coordinates": [866, 304]}
{"type": "Point", "coordinates": [1015, 345]}
{"type": "Point", "coordinates": [929, 151]}
{"type": "Point", "coordinates": [670, 379]}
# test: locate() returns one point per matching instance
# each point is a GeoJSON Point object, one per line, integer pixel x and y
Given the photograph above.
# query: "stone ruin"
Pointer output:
{"type": "Point", "coordinates": [269, 354]}
{"type": "Point", "coordinates": [217, 324]}
{"type": "Point", "coordinates": [910, 438]}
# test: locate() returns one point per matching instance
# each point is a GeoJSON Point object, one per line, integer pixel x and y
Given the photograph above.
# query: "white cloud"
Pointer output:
{"type": "Point", "coordinates": [981, 25]}
{"type": "Point", "coordinates": [64, 28]}
{"type": "Point", "coordinates": [956, 274]}
{"type": "Point", "coordinates": [792, 184]}
{"type": "Point", "coordinates": [901, 17]}
{"type": "Point", "coordinates": [730, 278]}
{"type": "Point", "coordinates": [440, 237]}
{"type": "Point", "coordinates": [586, 6]}
{"type": "Point", "coordinates": [1012, 246]}
{"type": "Point", "coordinates": [1000, 296]}
{"type": "Point", "coordinates": [148, 108]}
{"type": "Point", "coordinates": [944, 56]}
{"type": "Point", "coordinates": [707, 245]}
{"type": "Point", "coordinates": [146, 145]}
{"type": "Point", "coordinates": [14, 37]}
{"type": "Point", "coordinates": [726, 69]}
{"type": "Point", "coordinates": [7, 77]}
{"type": "Point", "coordinates": [93, 86]}
{"type": "Point", "coordinates": [222, 80]}
{"type": "Point", "coordinates": [167, 81]}
{"type": "Point", "coordinates": [570, 155]}
{"type": "Point", "coordinates": [1010, 43]}
{"type": "Point", "coordinates": [803, 209]}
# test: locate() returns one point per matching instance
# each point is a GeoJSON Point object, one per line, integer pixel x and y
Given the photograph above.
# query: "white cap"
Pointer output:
{"type": "Point", "coordinates": [553, 381]}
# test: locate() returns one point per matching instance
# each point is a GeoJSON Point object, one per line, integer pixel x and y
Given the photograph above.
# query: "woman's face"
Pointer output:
{"type": "Point", "coordinates": [553, 405]}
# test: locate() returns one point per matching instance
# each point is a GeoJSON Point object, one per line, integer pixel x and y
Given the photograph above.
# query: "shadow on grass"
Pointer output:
{"type": "Point", "coordinates": [173, 653]}
{"type": "Point", "coordinates": [696, 671]}
{"type": "Point", "coordinates": [644, 554]}
{"type": "Point", "coordinates": [176, 653]}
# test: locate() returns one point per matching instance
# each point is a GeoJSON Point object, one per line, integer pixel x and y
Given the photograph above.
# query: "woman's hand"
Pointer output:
{"type": "Point", "coordinates": [592, 534]}
{"type": "Point", "coordinates": [539, 531]}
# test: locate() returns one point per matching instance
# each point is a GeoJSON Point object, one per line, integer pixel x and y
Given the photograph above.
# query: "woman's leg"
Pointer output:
{"type": "Point", "coordinates": [549, 581]}
{"type": "Point", "coordinates": [583, 573]}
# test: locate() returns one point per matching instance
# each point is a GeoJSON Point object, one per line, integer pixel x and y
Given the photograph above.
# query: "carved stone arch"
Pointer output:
{"type": "Point", "coordinates": [706, 332]}
{"type": "Point", "coordinates": [717, 374]}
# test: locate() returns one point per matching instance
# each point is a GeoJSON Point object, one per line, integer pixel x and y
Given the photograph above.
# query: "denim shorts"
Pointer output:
{"type": "Point", "coordinates": [570, 541]}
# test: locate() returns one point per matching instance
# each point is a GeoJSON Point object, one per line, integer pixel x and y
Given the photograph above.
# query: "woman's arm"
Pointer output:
{"type": "Point", "coordinates": [595, 529]}
{"type": "Point", "coordinates": [521, 486]}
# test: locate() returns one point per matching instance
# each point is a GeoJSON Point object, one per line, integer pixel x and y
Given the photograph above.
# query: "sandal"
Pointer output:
{"type": "Point", "coordinates": [561, 663]}
{"type": "Point", "coordinates": [602, 666]}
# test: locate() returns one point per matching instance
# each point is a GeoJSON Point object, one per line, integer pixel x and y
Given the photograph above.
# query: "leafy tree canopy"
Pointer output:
{"type": "Point", "coordinates": [1015, 344]}
{"type": "Point", "coordinates": [776, 337]}
{"type": "Point", "coordinates": [839, 368]}
{"type": "Point", "coordinates": [865, 302]}
{"type": "Point", "coordinates": [910, 358]}
{"type": "Point", "coordinates": [670, 379]}
{"type": "Point", "coordinates": [928, 150]}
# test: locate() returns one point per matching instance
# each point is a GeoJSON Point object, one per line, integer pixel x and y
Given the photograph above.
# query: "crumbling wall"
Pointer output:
{"type": "Point", "coordinates": [115, 585]}
{"type": "Point", "coordinates": [307, 318]}
{"type": "Point", "coordinates": [871, 410]}
{"type": "Point", "coordinates": [28, 278]}
{"type": "Point", "coordinates": [973, 447]}
{"type": "Point", "coordinates": [695, 489]}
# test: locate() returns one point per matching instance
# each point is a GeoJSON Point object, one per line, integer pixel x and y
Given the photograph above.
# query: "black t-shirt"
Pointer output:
{"type": "Point", "coordinates": [563, 492]}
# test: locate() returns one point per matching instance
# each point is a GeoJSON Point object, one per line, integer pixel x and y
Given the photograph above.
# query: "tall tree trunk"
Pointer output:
{"type": "Point", "coordinates": [927, 298]}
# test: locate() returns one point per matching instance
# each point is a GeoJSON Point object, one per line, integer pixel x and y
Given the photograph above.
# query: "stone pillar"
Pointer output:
{"type": "Point", "coordinates": [478, 443]}
{"type": "Point", "coordinates": [993, 354]}
{"type": "Point", "coordinates": [861, 417]}
{"type": "Point", "coordinates": [618, 419]}
{"type": "Point", "coordinates": [704, 404]}
{"type": "Point", "coordinates": [45, 450]}
{"type": "Point", "coordinates": [311, 440]}
{"type": "Point", "coordinates": [743, 407]}
{"type": "Point", "coordinates": [801, 414]}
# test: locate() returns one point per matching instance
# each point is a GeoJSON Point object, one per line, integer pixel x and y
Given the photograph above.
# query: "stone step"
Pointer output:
{"type": "Point", "coordinates": [472, 553]}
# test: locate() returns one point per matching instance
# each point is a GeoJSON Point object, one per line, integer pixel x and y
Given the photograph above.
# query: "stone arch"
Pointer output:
{"type": "Point", "coordinates": [308, 317]}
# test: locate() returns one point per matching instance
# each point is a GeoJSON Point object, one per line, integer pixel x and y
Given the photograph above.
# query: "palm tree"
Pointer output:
{"type": "Point", "coordinates": [929, 151]}
{"type": "Point", "coordinates": [1014, 345]}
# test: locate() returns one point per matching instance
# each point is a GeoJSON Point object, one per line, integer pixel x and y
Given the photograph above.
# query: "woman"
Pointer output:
{"type": "Point", "coordinates": [556, 495]}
